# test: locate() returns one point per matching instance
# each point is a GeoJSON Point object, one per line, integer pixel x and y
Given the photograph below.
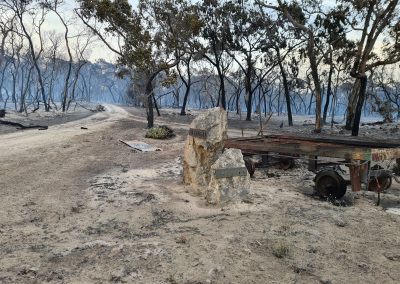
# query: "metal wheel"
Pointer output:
{"type": "Point", "coordinates": [381, 182]}
{"type": "Point", "coordinates": [329, 184]}
{"type": "Point", "coordinates": [251, 168]}
{"type": "Point", "coordinates": [286, 164]}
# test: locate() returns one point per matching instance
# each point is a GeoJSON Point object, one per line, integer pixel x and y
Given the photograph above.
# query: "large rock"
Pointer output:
{"type": "Point", "coordinates": [200, 154]}
{"type": "Point", "coordinates": [223, 190]}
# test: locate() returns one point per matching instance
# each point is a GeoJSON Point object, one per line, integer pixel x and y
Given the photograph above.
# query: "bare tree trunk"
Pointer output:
{"type": "Point", "coordinates": [310, 104]}
{"type": "Point", "coordinates": [360, 103]}
{"type": "Point", "coordinates": [217, 65]}
{"type": "Point", "coordinates": [185, 99]}
{"type": "Point", "coordinates": [328, 93]}
{"type": "Point", "coordinates": [287, 92]}
{"type": "Point", "coordinates": [222, 94]}
{"type": "Point", "coordinates": [249, 97]}
{"type": "Point", "coordinates": [66, 84]}
{"type": "Point", "coordinates": [156, 105]}
{"type": "Point", "coordinates": [22, 105]}
{"type": "Point", "coordinates": [352, 103]}
{"type": "Point", "coordinates": [237, 102]}
{"type": "Point", "coordinates": [149, 101]}
{"type": "Point", "coordinates": [187, 84]}
{"type": "Point", "coordinates": [35, 58]}
{"type": "Point", "coordinates": [76, 78]}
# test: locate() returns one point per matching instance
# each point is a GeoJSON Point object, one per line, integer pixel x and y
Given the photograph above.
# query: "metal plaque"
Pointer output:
{"type": "Point", "coordinates": [231, 172]}
{"type": "Point", "coordinates": [199, 133]}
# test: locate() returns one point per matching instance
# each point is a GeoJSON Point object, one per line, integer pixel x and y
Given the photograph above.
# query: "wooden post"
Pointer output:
{"type": "Point", "coordinates": [364, 173]}
{"type": "Point", "coordinates": [265, 160]}
{"type": "Point", "coordinates": [355, 176]}
{"type": "Point", "coordinates": [312, 164]}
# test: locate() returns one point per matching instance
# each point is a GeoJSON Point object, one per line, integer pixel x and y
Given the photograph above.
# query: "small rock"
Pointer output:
{"type": "Point", "coordinates": [214, 272]}
{"type": "Point", "coordinates": [340, 223]}
{"type": "Point", "coordinates": [181, 240]}
{"type": "Point", "coordinates": [363, 266]}
{"type": "Point", "coordinates": [392, 257]}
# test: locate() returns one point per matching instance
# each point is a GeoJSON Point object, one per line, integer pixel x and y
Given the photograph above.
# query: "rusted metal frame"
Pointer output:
{"type": "Point", "coordinates": [308, 149]}
{"type": "Point", "coordinates": [385, 154]}
{"type": "Point", "coordinates": [247, 139]}
{"type": "Point", "coordinates": [349, 141]}
{"type": "Point", "coordinates": [360, 156]}
{"type": "Point", "coordinates": [382, 151]}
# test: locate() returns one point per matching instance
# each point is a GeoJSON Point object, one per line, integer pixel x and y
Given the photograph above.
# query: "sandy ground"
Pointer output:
{"type": "Point", "coordinates": [78, 206]}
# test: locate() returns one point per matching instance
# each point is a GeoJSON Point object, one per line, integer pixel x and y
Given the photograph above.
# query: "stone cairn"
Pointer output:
{"type": "Point", "coordinates": [204, 156]}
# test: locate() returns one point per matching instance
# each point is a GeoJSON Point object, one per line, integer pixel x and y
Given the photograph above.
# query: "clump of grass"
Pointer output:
{"type": "Point", "coordinates": [280, 250]}
{"type": "Point", "coordinates": [160, 132]}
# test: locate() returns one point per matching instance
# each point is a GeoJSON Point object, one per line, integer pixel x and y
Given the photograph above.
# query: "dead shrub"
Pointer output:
{"type": "Point", "coordinates": [280, 250]}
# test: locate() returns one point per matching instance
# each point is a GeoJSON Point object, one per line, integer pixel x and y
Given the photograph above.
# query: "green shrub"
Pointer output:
{"type": "Point", "coordinates": [160, 132]}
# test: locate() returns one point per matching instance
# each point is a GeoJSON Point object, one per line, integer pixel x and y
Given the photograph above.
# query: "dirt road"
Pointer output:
{"type": "Point", "coordinates": [78, 206]}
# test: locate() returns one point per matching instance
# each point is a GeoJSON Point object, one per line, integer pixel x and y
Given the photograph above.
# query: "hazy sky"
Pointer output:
{"type": "Point", "coordinates": [52, 23]}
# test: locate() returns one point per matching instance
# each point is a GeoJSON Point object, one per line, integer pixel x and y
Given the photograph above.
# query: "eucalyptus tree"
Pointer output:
{"type": "Point", "coordinates": [236, 80]}
{"type": "Point", "coordinates": [385, 91]}
{"type": "Point", "coordinates": [251, 39]}
{"type": "Point", "coordinates": [324, 28]}
{"type": "Point", "coordinates": [56, 6]}
{"type": "Point", "coordinates": [302, 20]}
{"type": "Point", "coordinates": [186, 79]}
{"type": "Point", "coordinates": [15, 53]}
{"type": "Point", "coordinates": [31, 11]}
{"type": "Point", "coordinates": [150, 36]}
{"type": "Point", "coordinates": [216, 33]}
{"type": "Point", "coordinates": [334, 48]}
{"type": "Point", "coordinates": [81, 51]}
{"type": "Point", "coordinates": [7, 22]}
{"type": "Point", "coordinates": [5, 73]}
{"type": "Point", "coordinates": [377, 24]}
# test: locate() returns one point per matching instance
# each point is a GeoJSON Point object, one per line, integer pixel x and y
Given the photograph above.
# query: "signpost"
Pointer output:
{"type": "Point", "coordinates": [231, 172]}
{"type": "Point", "coordinates": [199, 133]}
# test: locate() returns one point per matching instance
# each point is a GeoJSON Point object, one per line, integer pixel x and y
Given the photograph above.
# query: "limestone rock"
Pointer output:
{"type": "Point", "coordinates": [200, 154]}
{"type": "Point", "coordinates": [223, 190]}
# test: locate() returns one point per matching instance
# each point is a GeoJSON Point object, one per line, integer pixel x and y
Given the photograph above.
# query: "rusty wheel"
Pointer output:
{"type": "Point", "coordinates": [329, 184]}
{"type": "Point", "coordinates": [381, 182]}
{"type": "Point", "coordinates": [251, 168]}
{"type": "Point", "coordinates": [286, 164]}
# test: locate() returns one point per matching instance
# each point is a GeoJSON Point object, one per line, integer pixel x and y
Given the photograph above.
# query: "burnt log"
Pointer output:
{"type": "Point", "coordinates": [23, 127]}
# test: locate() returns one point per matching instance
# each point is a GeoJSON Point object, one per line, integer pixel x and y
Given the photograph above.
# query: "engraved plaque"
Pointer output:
{"type": "Point", "coordinates": [230, 172]}
{"type": "Point", "coordinates": [199, 133]}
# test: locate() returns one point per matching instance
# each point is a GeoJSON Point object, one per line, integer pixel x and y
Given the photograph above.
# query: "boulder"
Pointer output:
{"type": "Point", "coordinates": [223, 190]}
{"type": "Point", "coordinates": [201, 153]}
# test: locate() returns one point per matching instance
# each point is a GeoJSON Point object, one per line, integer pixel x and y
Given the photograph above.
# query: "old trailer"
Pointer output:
{"type": "Point", "coordinates": [361, 156]}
